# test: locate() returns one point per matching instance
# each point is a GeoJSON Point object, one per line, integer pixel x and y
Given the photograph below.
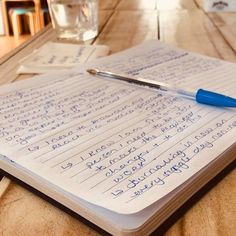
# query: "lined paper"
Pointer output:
{"type": "Point", "coordinates": [117, 145]}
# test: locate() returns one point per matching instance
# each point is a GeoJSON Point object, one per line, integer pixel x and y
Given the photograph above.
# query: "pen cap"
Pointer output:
{"type": "Point", "coordinates": [215, 99]}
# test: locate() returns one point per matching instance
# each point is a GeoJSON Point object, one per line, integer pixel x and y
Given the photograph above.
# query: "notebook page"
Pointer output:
{"type": "Point", "coordinates": [117, 145]}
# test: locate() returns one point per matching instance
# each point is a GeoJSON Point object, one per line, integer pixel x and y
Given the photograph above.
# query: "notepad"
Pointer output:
{"type": "Point", "coordinates": [124, 157]}
{"type": "Point", "coordinates": [54, 56]}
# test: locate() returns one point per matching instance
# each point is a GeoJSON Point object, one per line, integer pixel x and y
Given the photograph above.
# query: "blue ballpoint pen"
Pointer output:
{"type": "Point", "coordinates": [201, 95]}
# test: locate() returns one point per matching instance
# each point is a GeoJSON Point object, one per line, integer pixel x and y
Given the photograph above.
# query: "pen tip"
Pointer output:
{"type": "Point", "coordinates": [92, 71]}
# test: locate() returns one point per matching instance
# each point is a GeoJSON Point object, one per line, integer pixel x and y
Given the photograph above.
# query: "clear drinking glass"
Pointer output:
{"type": "Point", "coordinates": [74, 19]}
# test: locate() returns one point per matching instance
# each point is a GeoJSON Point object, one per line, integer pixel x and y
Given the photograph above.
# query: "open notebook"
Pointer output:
{"type": "Point", "coordinates": [122, 156]}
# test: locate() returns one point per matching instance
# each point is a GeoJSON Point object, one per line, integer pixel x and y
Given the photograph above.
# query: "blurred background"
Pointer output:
{"type": "Point", "coordinates": [19, 20]}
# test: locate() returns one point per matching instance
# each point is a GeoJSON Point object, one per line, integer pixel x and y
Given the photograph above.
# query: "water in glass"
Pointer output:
{"type": "Point", "coordinates": [74, 19]}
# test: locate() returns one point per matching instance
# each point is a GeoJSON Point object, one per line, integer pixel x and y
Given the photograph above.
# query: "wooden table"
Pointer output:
{"type": "Point", "coordinates": [124, 23]}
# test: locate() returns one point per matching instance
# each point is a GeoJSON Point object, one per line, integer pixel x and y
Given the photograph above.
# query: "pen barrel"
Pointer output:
{"type": "Point", "coordinates": [201, 96]}
{"type": "Point", "coordinates": [183, 92]}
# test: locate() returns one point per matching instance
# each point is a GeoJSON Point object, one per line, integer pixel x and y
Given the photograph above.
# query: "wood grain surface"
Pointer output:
{"type": "Point", "coordinates": [124, 23]}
